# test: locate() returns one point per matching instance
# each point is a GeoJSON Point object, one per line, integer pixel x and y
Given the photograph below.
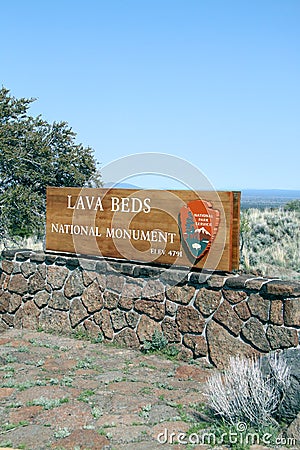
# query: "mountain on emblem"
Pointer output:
{"type": "Point", "coordinates": [198, 223]}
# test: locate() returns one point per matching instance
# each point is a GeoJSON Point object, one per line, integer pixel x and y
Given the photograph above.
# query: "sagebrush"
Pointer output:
{"type": "Point", "coordinates": [270, 241]}
{"type": "Point", "coordinates": [243, 393]}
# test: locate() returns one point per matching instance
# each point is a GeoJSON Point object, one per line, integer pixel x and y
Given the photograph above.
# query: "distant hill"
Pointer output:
{"type": "Point", "coordinates": [120, 186]}
{"type": "Point", "coordinates": [267, 198]}
{"type": "Point", "coordinates": [250, 198]}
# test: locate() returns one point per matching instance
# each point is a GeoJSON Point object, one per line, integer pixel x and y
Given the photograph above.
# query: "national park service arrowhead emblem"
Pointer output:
{"type": "Point", "coordinates": [198, 223]}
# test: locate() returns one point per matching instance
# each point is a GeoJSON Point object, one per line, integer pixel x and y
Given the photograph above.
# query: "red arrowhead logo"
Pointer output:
{"type": "Point", "coordinates": [198, 223]}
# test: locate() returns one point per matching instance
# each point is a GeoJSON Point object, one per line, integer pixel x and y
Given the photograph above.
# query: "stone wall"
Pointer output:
{"type": "Point", "coordinates": [125, 303]}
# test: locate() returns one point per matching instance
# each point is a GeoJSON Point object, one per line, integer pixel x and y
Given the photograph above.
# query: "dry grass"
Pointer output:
{"type": "Point", "coordinates": [270, 241]}
{"type": "Point", "coordinates": [31, 243]}
{"type": "Point", "coordinates": [244, 393]}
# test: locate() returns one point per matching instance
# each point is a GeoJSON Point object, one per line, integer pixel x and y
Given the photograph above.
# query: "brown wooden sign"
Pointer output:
{"type": "Point", "coordinates": [182, 228]}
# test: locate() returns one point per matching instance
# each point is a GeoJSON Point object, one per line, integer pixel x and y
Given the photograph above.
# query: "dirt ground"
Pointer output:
{"type": "Point", "coordinates": [63, 393]}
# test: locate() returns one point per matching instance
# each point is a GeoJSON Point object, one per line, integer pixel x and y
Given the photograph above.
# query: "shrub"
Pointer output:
{"type": "Point", "coordinates": [157, 343]}
{"type": "Point", "coordinates": [293, 205]}
{"type": "Point", "coordinates": [243, 394]}
{"type": "Point", "coordinates": [270, 242]}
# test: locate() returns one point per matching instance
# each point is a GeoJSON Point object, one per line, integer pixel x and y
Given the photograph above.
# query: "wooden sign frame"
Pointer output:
{"type": "Point", "coordinates": [177, 227]}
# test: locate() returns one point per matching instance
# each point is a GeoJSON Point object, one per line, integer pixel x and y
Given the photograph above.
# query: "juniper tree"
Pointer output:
{"type": "Point", "coordinates": [35, 154]}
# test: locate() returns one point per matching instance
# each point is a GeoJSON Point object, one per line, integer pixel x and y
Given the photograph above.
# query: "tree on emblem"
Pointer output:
{"type": "Point", "coordinates": [190, 224]}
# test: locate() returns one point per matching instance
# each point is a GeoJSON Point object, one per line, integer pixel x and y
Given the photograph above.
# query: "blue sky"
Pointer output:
{"type": "Point", "coordinates": [216, 82]}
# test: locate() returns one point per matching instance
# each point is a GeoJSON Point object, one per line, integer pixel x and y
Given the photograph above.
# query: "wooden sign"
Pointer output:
{"type": "Point", "coordinates": [182, 228]}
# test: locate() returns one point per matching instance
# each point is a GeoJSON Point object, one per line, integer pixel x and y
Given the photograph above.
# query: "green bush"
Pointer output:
{"type": "Point", "coordinates": [157, 343]}
{"type": "Point", "coordinates": [293, 205]}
